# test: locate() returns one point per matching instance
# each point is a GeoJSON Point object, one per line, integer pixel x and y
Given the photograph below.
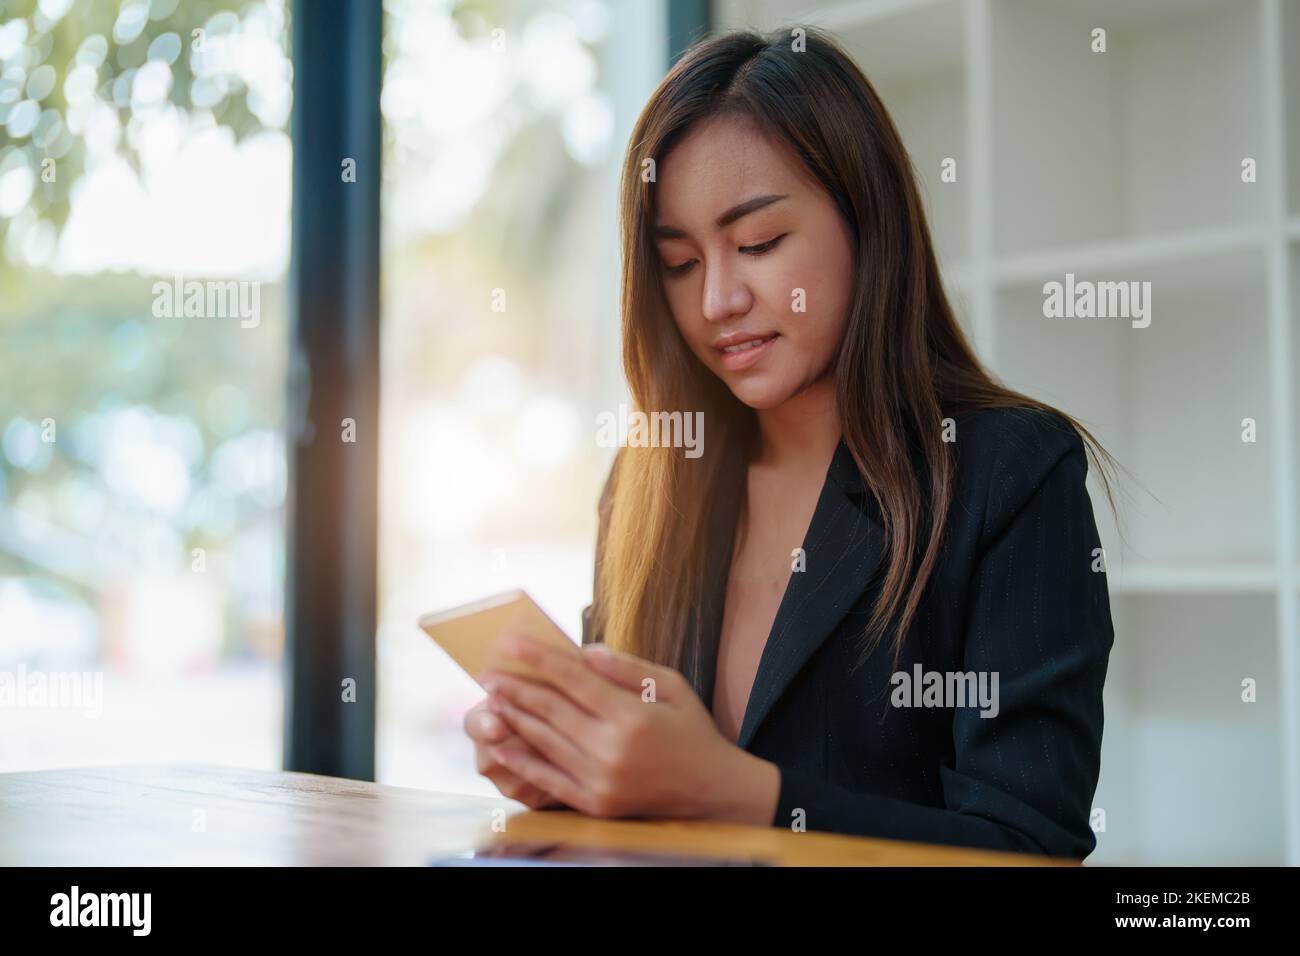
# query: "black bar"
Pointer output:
{"type": "Point", "coordinates": [334, 375]}
{"type": "Point", "coordinates": [688, 21]}
{"type": "Point", "coordinates": [222, 903]}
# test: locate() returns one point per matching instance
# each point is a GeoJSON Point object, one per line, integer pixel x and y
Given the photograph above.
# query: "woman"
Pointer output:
{"type": "Point", "coordinates": [875, 604]}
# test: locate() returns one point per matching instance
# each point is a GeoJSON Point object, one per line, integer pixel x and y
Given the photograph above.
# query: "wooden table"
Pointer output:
{"type": "Point", "coordinates": [170, 815]}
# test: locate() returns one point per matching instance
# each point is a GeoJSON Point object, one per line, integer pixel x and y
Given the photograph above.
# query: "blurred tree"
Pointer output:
{"type": "Point", "coordinates": [69, 65]}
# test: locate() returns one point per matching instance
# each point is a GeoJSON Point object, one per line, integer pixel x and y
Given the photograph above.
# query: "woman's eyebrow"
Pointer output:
{"type": "Point", "coordinates": [737, 211]}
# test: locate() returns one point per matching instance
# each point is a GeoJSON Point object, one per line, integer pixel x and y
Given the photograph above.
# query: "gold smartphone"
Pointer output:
{"type": "Point", "coordinates": [469, 633]}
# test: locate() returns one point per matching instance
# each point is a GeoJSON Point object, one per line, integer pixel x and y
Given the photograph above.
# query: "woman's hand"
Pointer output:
{"type": "Point", "coordinates": [487, 731]}
{"type": "Point", "coordinates": [613, 735]}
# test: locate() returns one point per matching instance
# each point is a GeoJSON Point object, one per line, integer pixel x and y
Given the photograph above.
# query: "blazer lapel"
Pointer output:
{"type": "Point", "coordinates": [843, 549]}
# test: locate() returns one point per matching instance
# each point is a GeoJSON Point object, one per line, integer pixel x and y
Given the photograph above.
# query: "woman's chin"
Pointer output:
{"type": "Point", "coordinates": [759, 395]}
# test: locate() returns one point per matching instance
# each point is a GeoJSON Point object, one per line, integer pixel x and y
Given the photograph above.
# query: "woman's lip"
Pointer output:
{"type": "Point", "coordinates": [735, 361]}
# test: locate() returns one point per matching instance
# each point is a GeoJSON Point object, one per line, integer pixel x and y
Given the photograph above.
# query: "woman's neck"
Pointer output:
{"type": "Point", "coordinates": [802, 432]}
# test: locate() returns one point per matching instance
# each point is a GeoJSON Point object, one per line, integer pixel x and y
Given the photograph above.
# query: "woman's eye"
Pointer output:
{"type": "Point", "coordinates": [755, 250]}
{"type": "Point", "coordinates": [762, 247]}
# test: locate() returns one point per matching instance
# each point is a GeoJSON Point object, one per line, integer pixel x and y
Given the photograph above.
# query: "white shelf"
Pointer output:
{"type": "Point", "coordinates": [1127, 166]}
{"type": "Point", "coordinates": [1175, 247]}
{"type": "Point", "coordinates": [837, 15]}
{"type": "Point", "coordinates": [1289, 42]}
{"type": "Point", "coordinates": [1181, 579]}
{"type": "Point", "coordinates": [1111, 254]}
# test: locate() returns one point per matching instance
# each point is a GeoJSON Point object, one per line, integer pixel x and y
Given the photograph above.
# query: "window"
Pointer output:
{"type": "Point", "coordinates": [144, 211]}
{"type": "Point", "coordinates": [500, 329]}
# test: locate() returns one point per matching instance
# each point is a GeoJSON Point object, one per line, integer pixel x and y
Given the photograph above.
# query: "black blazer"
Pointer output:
{"type": "Point", "coordinates": [1014, 593]}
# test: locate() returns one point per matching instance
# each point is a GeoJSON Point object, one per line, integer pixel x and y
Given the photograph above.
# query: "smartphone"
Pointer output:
{"type": "Point", "coordinates": [561, 854]}
{"type": "Point", "coordinates": [469, 633]}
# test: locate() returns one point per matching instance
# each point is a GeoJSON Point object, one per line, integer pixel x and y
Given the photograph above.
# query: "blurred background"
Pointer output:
{"type": "Point", "coordinates": [143, 470]}
{"type": "Point", "coordinates": [169, 433]}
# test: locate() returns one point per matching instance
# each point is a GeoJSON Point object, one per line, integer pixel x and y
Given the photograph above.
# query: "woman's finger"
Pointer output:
{"type": "Point", "coordinates": [628, 670]}
{"type": "Point", "coordinates": [487, 730]}
{"type": "Point", "coordinates": [545, 702]}
{"type": "Point", "coordinates": [563, 671]}
{"type": "Point", "coordinates": [485, 727]}
{"type": "Point", "coordinates": [545, 776]}
{"type": "Point", "coordinates": [509, 784]}
{"type": "Point", "coordinates": [483, 760]}
{"type": "Point", "coordinates": [536, 799]}
{"type": "Point", "coordinates": [546, 740]}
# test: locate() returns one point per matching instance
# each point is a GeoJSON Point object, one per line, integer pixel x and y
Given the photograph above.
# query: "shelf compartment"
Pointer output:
{"type": "Point", "coordinates": [1176, 724]}
{"type": "Point", "coordinates": [1091, 146]}
{"type": "Point", "coordinates": [1167, 401]}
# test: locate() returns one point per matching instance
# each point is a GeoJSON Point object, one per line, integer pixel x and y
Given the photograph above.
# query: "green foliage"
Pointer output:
{"type": "Point", "coordinates": [107, 38]}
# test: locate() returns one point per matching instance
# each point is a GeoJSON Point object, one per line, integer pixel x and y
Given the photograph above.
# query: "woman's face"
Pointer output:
{"type": "Point", "coordinates": [757, 262]}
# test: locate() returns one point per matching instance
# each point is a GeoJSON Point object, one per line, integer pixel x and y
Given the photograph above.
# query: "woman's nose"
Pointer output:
{"type": "Point", "coordinates": [725, 294]}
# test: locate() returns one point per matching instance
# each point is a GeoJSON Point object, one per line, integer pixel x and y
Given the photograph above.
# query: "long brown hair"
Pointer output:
{"type": "Point", "coordinates": [903, 367]}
